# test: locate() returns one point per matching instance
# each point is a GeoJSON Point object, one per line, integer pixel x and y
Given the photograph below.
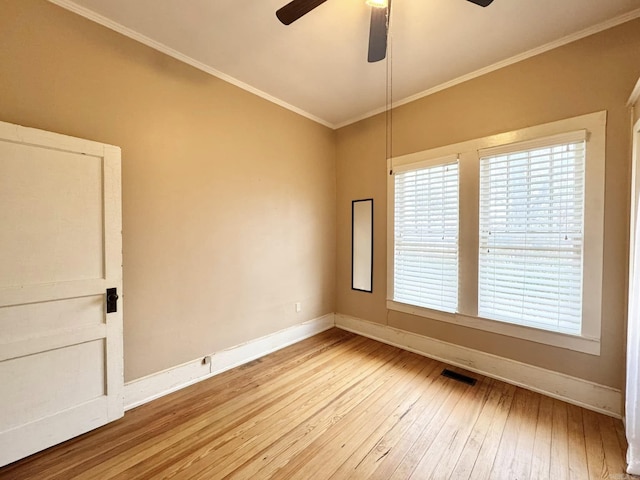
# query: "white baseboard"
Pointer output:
{"type": "Point", "coordinates": [593, 396]}
{"type": "Point", "coordinates": [156, 385]}
{"type": "Point", "coordinates": [583, 393]}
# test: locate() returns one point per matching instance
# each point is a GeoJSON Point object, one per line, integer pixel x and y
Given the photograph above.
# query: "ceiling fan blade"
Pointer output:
{"type": "Point", "coordinates": [292, 11]}
{"type": "Point", "coordinates": [378, 33]}
{"type": "Point", "coordinates": [482, 3]}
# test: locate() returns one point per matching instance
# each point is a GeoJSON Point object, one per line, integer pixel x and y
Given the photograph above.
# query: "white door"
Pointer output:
{"type": "Point", "coordinates": [61, 368]}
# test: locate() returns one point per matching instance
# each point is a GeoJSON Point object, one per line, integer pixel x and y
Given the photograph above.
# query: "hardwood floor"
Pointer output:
{"type": "Point", "coordinates": [340, 406]}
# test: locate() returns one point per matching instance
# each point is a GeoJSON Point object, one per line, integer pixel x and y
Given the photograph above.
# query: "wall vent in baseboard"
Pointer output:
{"type": "Point", "coordinates": [458, 376]}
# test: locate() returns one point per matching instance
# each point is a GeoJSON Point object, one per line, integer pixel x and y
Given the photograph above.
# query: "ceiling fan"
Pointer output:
{"type": "Point", "coordinates": [379, 27]}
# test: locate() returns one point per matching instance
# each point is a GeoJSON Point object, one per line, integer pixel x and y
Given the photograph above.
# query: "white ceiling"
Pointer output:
{"type": "Point", "coordinates": [317, 66]}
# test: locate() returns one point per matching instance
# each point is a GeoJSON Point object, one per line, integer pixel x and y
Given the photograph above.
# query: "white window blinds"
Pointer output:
{"type": "Point", "coordinates": [426, 237]}
{"type": "Point", "coordinates": [531, 234]}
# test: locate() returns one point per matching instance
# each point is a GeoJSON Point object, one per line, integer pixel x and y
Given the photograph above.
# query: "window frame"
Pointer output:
{"type": "Point", "coordinates": [434, 162]}
{"type": "Point", "coordinates": [468, 153]}
{"type": "Point", "coordinates": [486, 156]}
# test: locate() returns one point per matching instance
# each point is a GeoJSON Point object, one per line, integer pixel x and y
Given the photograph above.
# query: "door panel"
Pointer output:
{"type": "Point", "coordinates": [53, 202]}
{"type": "Point", "coordinates": [77, 378]}
{"type": "Point", "coordinates": [21, 322]}
{"type": "Point", "coordinates": [60, 249]}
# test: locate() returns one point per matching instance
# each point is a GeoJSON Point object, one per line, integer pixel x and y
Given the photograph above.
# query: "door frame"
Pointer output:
{"type": "Point", "coordinates": [632, 397]}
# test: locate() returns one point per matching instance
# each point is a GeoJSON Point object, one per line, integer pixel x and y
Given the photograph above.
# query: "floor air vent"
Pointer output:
{"type": "Point", "coordinates": [458, 376]}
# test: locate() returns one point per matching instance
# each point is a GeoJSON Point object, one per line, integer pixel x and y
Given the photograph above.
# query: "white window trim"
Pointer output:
{"type": "Point", "coordinates": [468, 154]}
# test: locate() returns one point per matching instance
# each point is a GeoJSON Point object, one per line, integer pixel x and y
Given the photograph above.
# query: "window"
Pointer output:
{"type": "Point", "coordinates": [531, 224]}
{"type": "Point", "coordinates": [426, 236]}
{"type": "Point", "coordinates": [504, 233]}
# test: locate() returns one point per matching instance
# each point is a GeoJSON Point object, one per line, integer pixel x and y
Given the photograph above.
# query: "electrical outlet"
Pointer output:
{"type": "Point", "coordinates": [206, 360]}
{"type": "Point", "coordinates": [298, 307]}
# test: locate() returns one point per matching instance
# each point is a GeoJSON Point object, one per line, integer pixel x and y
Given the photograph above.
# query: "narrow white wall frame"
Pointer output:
{"type": "Point", "coordinates": [632, 417]}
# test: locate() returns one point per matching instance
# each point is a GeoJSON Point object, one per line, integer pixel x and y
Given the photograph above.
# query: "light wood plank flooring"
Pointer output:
{"type": "Point", "coordinates": [340, 406]}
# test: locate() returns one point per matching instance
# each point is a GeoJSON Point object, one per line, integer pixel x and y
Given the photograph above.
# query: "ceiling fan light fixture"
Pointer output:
{"type": "Point", "coordinates": [377, 3]}
{"type": "Point", "coordinates": [379, 27]}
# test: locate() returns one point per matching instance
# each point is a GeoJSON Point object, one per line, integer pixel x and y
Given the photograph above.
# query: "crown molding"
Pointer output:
{"type": "Point", "coordinates": [632, 15]}
{"type": "Point", "coordinates": [106, 22]}
{"type": "Point", "coordinates": [117, 27]}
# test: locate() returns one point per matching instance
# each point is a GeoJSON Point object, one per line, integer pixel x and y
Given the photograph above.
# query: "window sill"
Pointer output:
{"type": "Point", "coordinates": [577, 343]}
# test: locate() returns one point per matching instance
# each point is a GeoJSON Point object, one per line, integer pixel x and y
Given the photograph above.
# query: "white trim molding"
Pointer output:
{"type": "Point", "coordinates": [592, 127]}
{"type": "Point", "coordinates": [600, 27]}
{"type": "Point", "coordinates": [156, 385]}
{"type": "Point", "coordinates": [161, 47]}
{"type": "Point", "coordinates": [584, 344]}
{"type": "Point", "coordinates": [106, 22]}
{"type": "Point", "coordinates": [635, 95]}
{"type": "Point", "coordinates": [632, 390]}
{"type": "Point", "coordinates": [599, 398]}
{"type": "Point", "coordinates": [590, 395]}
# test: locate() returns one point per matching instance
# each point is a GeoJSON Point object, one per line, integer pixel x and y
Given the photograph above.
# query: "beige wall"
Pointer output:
{"type": "Point", "coordinates": [228, 200]}
{"type": "Point", "coordinates": [593, 74]}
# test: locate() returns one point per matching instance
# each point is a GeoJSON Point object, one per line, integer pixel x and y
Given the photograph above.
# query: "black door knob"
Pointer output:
{"type": "Point", "coordinates": [112, 300]}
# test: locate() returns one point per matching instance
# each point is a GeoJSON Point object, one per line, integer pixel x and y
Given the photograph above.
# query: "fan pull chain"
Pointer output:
{"type": "Point", "coordinates": [389, 94]}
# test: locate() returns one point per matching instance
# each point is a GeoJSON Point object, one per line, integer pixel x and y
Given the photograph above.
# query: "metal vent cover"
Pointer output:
{"type": "Point", "coordinates": [458, 377]}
